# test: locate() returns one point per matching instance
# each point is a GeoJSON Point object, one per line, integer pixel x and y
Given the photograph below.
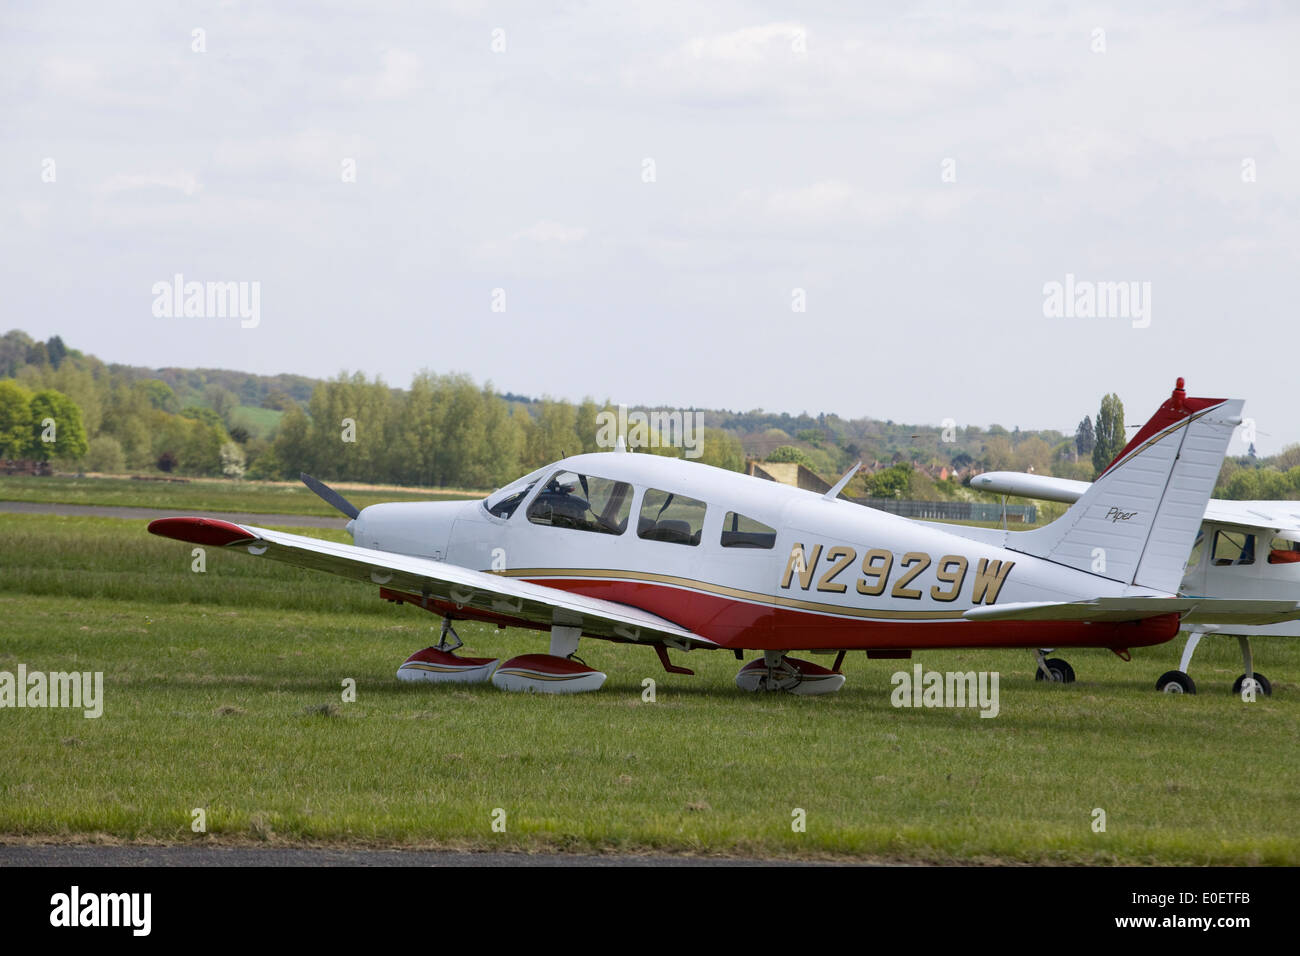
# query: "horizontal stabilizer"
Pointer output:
{"type": "Point", "coordinates": [1041, 487]}
{"type": "Point", "coordinates": [1113, 609]}
{"type": "Point", "coordinates": [1281, 516]}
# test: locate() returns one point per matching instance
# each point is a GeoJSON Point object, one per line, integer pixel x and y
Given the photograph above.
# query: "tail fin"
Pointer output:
{"type": "Point", "coordinates": [1138, 521]}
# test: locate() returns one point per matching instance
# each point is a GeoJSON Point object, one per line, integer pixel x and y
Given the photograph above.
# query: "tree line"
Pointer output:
{"type": "Point", "coordinates": [443, 431]}
{"type": "Point", "coordinates": [448, 431]}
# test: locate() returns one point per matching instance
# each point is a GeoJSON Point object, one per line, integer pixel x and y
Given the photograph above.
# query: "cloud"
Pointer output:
{"type": "Point", "coordinates": [400, 74]}
{"type": "Point", "coordinates": [755, 45]}
{"type": "Point", "coordinates": [547, 231]}
{"type": "Point", "coordinates": [182, 181]}
{"type": "Point", "coordinates": [64, 74]}
{"type": "Point", "coordinates": [812, 71]}
{"type": "Point", "coordinates": [830, 209]}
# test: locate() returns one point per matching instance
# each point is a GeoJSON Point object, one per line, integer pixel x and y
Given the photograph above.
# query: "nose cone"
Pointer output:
{"type": "Point", "coordinates": [407, 527]}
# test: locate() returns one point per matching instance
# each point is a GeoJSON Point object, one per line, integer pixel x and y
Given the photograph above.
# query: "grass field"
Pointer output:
{"type": "Point", "coordinates": [223, 692]}
{"type": "Point", "coordinates": [260, 422]}
{"type": "Point", "coordinates": [199, 495]}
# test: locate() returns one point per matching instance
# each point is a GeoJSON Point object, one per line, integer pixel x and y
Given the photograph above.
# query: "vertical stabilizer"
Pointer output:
{"type": "Point", "coordinates": [1138, 521]}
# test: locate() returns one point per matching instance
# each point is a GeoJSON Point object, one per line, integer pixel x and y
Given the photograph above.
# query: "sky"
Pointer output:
{"type": "Point", "coordinates": [891, 210]}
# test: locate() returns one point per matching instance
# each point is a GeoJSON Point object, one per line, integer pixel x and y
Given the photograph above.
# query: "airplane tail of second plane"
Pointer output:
{"type": "Point", "coordinates": [1138, 521]}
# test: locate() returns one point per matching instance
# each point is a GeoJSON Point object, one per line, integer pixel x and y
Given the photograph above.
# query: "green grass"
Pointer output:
{"type": "Point", "coordinates": [200, 495]}
{"type": "Point", "coordinates": [260, 422]}
{"type": "Point", "coordinates": [217, 686]}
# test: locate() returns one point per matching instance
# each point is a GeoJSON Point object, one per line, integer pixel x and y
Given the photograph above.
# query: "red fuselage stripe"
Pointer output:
{"type": "Point", "coordinates": [745, 625]}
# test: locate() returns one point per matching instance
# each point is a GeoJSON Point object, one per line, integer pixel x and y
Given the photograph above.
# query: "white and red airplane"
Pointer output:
{"type": "Point", "coordinates": [673, 554]}
{"type": "Point", "coordinates": [1245, 549]}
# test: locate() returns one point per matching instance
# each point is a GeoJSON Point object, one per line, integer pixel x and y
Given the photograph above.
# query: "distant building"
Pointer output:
{"type": "Point", "coordinates": [787, 473]}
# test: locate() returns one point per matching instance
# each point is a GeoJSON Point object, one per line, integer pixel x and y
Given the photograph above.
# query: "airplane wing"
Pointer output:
{"type": "Point", "coordinates": [436, 580]}
{"type": "Point", "coordinates": [1191, 610]}
{"type": "Point", "coordinates": [1281, 516]}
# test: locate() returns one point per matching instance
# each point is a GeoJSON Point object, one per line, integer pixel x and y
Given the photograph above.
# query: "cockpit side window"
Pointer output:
{"type": "Point", "coordinates": [583, 503]}
{"type": "Point", "coordinates": [507, 505]}
{"type": "Point", "coordinates": [1233, 548]}
{"type": "Point", "coordinates": [666, 516]}
{"type": "Point", "coordinates": [740, 531]}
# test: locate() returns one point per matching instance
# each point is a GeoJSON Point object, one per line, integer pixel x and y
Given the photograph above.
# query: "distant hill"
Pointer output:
{"type": "Point", "coordinates": [436, 430]}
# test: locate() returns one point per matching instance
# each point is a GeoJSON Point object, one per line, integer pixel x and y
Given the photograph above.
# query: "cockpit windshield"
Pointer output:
{"type": "Point", "coordinates": [504, 501]}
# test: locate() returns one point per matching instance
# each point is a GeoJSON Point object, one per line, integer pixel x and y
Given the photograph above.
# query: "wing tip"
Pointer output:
{"type": "Point", "coordinates": [209, 531]}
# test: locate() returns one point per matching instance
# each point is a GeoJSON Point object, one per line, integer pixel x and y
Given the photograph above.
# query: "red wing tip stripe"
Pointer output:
{"type": "Point", "coordinates": [209, 531]}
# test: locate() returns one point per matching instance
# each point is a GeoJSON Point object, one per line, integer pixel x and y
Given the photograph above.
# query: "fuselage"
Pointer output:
{"type": "Point", "coordinates": [1260, 563]}
{"type": "Point", "coordinates": [748, 563]}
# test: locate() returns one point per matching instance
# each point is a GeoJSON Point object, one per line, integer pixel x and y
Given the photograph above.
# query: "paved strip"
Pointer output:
{"type": "Point", "coordinates": [125, 856]}
{"type": "Point", "coordinates": [149, 514]}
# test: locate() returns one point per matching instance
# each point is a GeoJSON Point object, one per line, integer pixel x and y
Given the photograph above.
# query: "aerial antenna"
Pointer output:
{"type": "Point", "coordinates": [839, 485]}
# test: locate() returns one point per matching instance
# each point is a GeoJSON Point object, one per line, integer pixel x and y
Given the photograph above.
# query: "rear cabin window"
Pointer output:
{"type": "Point", "coordinates": [583, 502]}
{"type": "Point", "coordinates": [740, 531]}
{"type": "Point", "coordinates": [666, 516]}
{"type": "Point", "coordinates": [1284, 549]}
{"type": "Point", "coordinates": [1233, 547]}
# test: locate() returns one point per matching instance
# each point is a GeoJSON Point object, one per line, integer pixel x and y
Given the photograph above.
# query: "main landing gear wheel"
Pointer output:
{"type": "Point", "coordinates": [439, 665]}
{"type": "Point", "coordinates": [559, 672]}
{"type": "Point", "coordinates": [775, 671]}
{"type": "Point", "coordinates": [1175, 682]}
{"type": "Point", "coordinates": [1262, 686]}
{"type": "Point", "coordinates": [1053, 669]}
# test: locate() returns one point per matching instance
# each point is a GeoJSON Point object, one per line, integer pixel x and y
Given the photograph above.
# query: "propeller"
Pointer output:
{"type": "Point", "coordinates": [330, 496]}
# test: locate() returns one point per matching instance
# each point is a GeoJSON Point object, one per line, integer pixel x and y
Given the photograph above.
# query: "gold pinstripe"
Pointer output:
{"type": "Point", "coordinates": [441, 669]}
{"type": "Point", "coordinates": [753, 597]}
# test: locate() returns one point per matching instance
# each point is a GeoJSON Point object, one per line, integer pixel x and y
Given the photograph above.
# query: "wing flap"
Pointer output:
{"type": "Point", "coordinates": [436, 580]}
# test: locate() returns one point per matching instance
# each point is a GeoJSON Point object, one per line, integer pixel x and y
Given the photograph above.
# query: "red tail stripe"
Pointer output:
{"type": "Point", "coordinates": [1177, 407]}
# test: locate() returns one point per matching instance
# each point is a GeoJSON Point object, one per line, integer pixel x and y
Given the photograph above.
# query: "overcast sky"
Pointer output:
{"type": "Point", "coordinates": [921, 172]}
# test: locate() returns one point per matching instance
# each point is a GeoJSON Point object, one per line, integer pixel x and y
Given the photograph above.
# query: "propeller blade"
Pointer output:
{"type": "Point", "coordinates": [330, 496]}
